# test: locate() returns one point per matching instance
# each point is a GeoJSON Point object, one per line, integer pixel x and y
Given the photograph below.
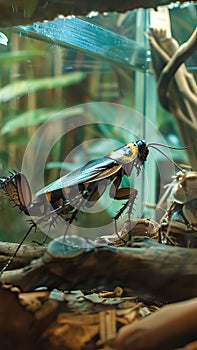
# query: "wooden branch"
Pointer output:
{"type": "Point", "coordinates": [23, 12]}
{"type": "Point", "coordinates": [180, 56]}
{"type": "Point", "coordinates": [24, 256]}
{"type": "Point", "coordinates": [148, 268]}
{"type": "Point", "coordinates": [177, 92]}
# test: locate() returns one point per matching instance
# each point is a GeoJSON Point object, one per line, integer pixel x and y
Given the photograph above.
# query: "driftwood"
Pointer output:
{"type": "Point", "coordinates": [24, 12]}
{"type": "Point", "coordinates": [182, 53]}
{"type": "Point", "coordinates": [148, 268]}
{"type": "Point", "coordinates": [89, 290]}
{"type": "Point", "coordinates": [24, 256]}
{"type": "Point", "coordinates": [177, 88]}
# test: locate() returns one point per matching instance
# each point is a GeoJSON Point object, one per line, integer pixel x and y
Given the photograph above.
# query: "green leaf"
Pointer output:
{"type": "Point", "coordinates": [28, 119]}
{"type": "Point", "coordinates": [17, 140]}
{"type": "Point", "coordinates": [39, 116]}
{"type": "Point", "coordinates": [19, 56]}
{"type": "Point", "coordinates": [25, 86]}
{"type": "Point", "coordinates": [61, 165]}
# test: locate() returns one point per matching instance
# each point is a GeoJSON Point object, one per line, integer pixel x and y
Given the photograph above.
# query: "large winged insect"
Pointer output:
{"type": "Point", "coordinates": [80, 188]}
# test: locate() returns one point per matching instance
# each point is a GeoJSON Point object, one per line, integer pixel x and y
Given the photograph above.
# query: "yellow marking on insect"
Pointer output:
{"type": "Point", "coordinates": [125, 154]}
{"type": "Point", "coordinates": [48, 196]}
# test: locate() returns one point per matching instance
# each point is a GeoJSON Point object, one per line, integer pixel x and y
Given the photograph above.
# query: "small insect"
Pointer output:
{"type": "Point", "coordinates": [179, 224]}
{"type": "Point", "coordinates": [81, 188]}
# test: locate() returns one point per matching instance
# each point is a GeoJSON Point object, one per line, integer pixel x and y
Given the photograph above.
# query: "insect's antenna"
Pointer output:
{"type": "Point", "coordinates": [17, 249]}
{"type": "Point", "coordinates": [170, 160]}
{"type": "Point", "coordinates": [170, 147]}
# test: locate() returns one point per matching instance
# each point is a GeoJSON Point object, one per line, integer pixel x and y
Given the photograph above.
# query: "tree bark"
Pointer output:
{"type": "Point", "coordinates": [148, 268]}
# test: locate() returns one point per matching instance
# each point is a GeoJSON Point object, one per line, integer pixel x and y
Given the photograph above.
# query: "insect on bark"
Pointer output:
{"type": "Point", "coordinates": [79, 189]}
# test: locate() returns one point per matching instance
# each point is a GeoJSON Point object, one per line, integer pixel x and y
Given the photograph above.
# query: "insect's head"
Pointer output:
{"type": "Point", "coordinates": [142, 149]}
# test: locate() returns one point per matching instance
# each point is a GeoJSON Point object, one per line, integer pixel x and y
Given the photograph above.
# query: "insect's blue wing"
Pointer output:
{"type": "Point", "coordinates": [89, 172]}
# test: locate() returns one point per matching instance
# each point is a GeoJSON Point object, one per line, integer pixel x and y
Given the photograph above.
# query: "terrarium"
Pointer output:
{"type": "Point", "coordinates": [98, 153]}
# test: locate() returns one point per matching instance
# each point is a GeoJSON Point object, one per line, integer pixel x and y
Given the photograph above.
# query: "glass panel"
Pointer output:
{"type": "Point", "coordinates": [95, 76]}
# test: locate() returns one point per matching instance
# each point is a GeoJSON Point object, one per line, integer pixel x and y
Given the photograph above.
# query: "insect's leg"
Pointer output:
{"type": "Point", "coordinates": [17, 249]}
{"type": "Point", "coordinates": [128, 205]}
{"type": "Point", "coordinates": [75, 212]}
{"type": "Point", "coordinates": [50, 223]}
{"type": "Point", "coordinates": [73, 216]}
{"type": "Point", "coordinates": [53, 216]}
{"type": "Point", "coordinates": [121, 194]}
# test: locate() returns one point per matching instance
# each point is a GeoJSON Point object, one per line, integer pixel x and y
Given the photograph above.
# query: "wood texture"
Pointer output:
{"type": "Point", "coordinates": [23, 12]}
{"type": "Point", "coordinates": [149, 268]}
{"type": "Point", "coordinates": [177, 89]}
